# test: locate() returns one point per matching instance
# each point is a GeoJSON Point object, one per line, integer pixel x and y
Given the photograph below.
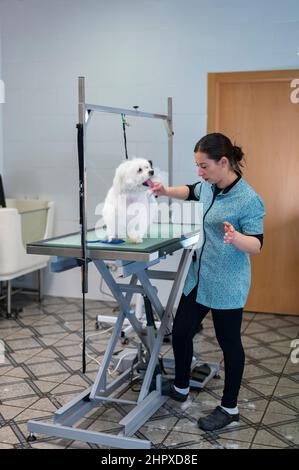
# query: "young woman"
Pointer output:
{"type": "Point", "coordinates": [219, 275]}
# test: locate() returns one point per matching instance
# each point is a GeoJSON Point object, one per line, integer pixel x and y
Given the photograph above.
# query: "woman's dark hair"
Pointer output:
{"type": "Point", "coordinates": [217, 145]}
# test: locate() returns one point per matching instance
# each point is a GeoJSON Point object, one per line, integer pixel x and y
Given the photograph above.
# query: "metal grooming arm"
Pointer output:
{"type": "Point", "coordinates": [86, 112]}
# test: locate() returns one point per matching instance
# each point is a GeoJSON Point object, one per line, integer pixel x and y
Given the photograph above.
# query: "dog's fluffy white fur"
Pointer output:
{"type": "Point", "coordinates": [130, 207]}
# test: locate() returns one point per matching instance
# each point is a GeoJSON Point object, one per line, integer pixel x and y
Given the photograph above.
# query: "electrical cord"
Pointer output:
{"type": "Point", "coordinates": [119, 362]}
{"type": "Point", "coordinates": [99, 333]}
{"type": "Point", "coordinates": [110, 372]}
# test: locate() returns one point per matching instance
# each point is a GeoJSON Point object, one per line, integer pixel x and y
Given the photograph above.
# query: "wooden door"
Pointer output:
{"type": "Point", "coordinates": [256, 111]}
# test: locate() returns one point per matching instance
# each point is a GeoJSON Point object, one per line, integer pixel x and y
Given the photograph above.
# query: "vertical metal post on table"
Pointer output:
{"type": "Point", "coordinates": [82, 201]}
{"type": "Point", "coordinates": [82, 167]}
{"type": "Point", "coordinates": [170, 152]}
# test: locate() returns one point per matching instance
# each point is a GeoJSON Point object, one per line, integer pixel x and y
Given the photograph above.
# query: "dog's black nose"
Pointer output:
{"type": "Point", "coordinates": [151, 172]}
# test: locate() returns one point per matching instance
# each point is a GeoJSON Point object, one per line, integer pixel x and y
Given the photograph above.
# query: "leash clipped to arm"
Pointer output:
{"type": "Point", "coordinates": [124, 122]}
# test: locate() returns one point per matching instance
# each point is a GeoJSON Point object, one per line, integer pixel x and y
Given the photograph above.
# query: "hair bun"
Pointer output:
{"type": "Point", "coordinates": [238, 153]}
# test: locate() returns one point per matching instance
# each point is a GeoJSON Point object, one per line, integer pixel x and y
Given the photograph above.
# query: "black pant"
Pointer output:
{"type": "Point", "coordinates": [227, 324]}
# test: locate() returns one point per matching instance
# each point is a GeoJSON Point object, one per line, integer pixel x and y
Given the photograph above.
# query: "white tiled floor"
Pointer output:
{"type": "Point", "coordinates": [42, 371]}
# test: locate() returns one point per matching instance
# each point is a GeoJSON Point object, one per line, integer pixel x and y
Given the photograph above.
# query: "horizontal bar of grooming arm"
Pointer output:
{"type": "Point", "coordinates": [127, 112]}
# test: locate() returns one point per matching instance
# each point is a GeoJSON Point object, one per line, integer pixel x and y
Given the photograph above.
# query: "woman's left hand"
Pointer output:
{"type": "Point", "coordinates": [229, 233]}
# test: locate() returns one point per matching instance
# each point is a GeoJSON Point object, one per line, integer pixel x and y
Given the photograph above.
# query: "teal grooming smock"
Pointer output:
{"type": "Point", "coordinates": [221, 272]}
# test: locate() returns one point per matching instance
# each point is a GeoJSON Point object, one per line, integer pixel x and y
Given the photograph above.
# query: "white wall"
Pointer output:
{"type": "Point", "coordinates": [133, 52]}
{"type": "Point", "coordinates": [1, 113]}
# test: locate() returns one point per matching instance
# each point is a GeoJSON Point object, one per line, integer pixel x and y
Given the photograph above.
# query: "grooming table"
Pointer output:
{"type": "Point", "coordinates": [134, 262]}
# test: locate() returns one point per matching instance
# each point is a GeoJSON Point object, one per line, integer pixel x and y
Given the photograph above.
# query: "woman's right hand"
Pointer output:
{"type": "Point", "coordinates": [159, 189]}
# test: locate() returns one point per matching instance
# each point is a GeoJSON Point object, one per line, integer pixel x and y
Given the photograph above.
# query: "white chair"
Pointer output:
{"type": "Point", "coordinates": [23, 221]}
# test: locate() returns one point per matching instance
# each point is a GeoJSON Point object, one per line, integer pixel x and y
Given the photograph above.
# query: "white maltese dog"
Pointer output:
{"type": "Point", "coordinates": [130, 207]}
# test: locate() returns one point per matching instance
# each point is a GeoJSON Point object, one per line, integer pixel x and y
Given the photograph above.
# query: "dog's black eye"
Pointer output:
{"type": "Point", "coordinates": [140, 170]}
